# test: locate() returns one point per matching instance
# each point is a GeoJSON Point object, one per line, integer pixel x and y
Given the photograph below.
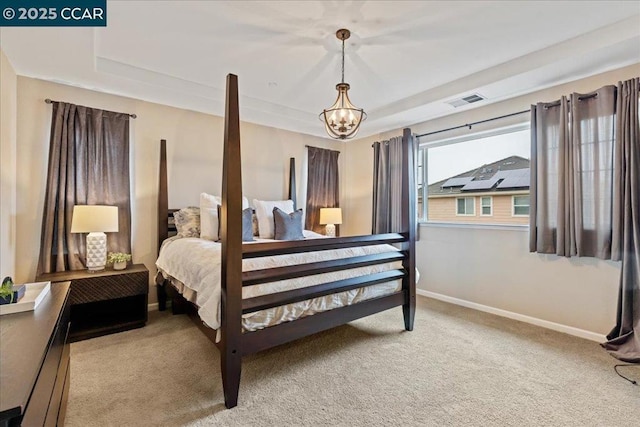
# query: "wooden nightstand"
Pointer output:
{"type": "Point", "coordinates": [105, 302]}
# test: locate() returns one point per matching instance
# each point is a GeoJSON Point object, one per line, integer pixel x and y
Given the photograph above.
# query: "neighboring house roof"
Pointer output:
{"type": "Point", "coordinates": [509, 174]}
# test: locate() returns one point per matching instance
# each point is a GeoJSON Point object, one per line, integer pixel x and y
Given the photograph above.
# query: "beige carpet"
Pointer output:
{"type": "Point", "coordinates": [458, 367]}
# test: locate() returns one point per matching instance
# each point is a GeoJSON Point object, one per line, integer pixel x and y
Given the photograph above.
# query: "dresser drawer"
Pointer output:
{"type": "Point", "coordinates": [50, 378]}
{"type": "Point", "coordinates": [62, 381]}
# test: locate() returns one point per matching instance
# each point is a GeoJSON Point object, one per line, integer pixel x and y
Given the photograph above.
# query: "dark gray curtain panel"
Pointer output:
{"type": "Point", "coordinates": [88, 165]}
{"type": "Point", "coordinates": [387, 186]}
{"type": "Point", "coordinates": [323, 186]}
{"type": "Point", "coordinates": [572, 153]}
{"type": "Point", "coordinates": [585, 186]}
{"type": "Point", "coordinates": [624, 340]}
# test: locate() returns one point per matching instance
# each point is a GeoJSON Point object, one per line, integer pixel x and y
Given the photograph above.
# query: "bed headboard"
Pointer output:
{"type": "Point", "coordinates": [166, 225]}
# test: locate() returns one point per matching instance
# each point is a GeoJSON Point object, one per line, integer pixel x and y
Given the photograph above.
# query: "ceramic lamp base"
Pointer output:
{"type": "Point", "coordinates": [96, 251]}
{"type": "Point", "coordinates": [330, 230]}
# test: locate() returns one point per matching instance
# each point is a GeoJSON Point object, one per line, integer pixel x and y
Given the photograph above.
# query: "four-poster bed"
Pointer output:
{"type": "Point", "coordinates": [235, 337]}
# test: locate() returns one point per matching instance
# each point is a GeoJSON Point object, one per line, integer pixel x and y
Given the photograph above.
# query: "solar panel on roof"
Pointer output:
{"type": "Point", "coordinates": [457, 182]}
{"type": "Point", "coordinates": [517, 178]}
{"type": "Point", "coordinates": [520, 182]}
{"type": "Point", "coordinates": [484, 184]}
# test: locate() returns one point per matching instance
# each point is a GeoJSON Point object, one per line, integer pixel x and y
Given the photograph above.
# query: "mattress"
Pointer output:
{"type": "Point", "coordinates": [193, 267]}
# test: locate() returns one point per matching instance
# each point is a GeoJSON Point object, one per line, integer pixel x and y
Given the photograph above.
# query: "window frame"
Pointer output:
{"type": "Point", "coordinates": [490, 206]}
{"type": "Point", "coordinates": [513, 206]}
{"type": "Point", "coordinates": [422, 150]}
{"type": "Point", "coordinates": [465, 198]}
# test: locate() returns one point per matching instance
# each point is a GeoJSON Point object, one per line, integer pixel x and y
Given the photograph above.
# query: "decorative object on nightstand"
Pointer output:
{"type": "Point", "coordinates": [119, 260]}
{"type": "Point", "coordinates": [330, 217]}
{"type": "Point", "coordinates": [95, 220]}
{"type": "Point", "coordinates": [106, 301]}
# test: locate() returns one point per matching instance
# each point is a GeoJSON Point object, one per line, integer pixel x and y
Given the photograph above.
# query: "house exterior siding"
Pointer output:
{"type": "Point", "coordinates": [443, 208]}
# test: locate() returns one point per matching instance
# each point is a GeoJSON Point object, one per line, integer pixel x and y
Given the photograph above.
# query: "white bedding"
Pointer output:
{"type": "Point", "coordinates": [193, 265]}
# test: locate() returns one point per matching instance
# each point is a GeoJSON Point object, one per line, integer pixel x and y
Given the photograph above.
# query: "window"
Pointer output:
{"type": "Point", "coordinates": [486, 206]}
{"type": "Point", "coordinates": [420, 184]}
{"type": "Point", "coordinates": [466, 206]}
{"type": "Point", "coordinates": [521, 205]}
{"type": "Point", "coordinates": [492, 166]}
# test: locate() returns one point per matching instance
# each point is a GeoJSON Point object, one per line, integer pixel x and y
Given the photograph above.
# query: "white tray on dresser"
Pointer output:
{"type": "Point", "coordinates": [33, 296]}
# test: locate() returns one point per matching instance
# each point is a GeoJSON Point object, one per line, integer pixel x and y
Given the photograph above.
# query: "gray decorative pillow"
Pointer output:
{"type": "Point", "coordinates": [187, 222]}
{"type": "Point", "coordinates": [247, 226]}
{"type": "Point", "coordinates": [287, 226]}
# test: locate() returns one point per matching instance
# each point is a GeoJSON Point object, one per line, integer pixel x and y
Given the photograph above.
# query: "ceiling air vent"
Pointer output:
{"type": "Point", "coordinates": [466, 100]}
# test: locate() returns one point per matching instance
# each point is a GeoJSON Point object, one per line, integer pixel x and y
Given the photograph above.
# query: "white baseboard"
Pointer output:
{"type": "Point", "coordinates": [592, 336]}
{"type": "Point", "coordinates": [153, 307]}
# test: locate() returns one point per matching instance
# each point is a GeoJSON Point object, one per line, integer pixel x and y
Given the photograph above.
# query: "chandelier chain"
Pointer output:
{"type": "Point", "coordinates": [342, 60]}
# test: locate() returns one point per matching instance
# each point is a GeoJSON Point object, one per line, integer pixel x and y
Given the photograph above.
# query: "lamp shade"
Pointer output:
{"type": "Point", "coordinates": [90, 218]}
{"type": "Point", "coordinates": [330, 216]}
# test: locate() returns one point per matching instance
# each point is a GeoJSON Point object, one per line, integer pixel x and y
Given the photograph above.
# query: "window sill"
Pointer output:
{"type": "Point", "coordinates": [508, 227]}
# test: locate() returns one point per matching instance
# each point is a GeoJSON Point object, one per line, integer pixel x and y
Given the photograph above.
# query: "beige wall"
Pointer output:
{"type": "Point", "coordinates": [576, 292]}
{"type": "Point", "coordinates": [494, 268]}
{"type": "Point", "coordinates": [445, 209]}
{"type": "Point", "coordinates": [8, 111]}
{"type": "Point", "coordinates": [194, 161]}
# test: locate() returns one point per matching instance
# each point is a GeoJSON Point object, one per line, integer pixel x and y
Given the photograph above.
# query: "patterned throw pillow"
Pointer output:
{"type": "Point", "coordinates": [187, 222]}
{"type": "Point", "coordinates": [287, 226]}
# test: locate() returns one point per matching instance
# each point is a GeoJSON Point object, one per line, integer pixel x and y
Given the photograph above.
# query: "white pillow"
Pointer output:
{"type": "Point", "coordinates": [209, 221]}
{"type": "Point", "coordinates": [264, 212]}
{"type": "Point", "coordinates": [209, 201]}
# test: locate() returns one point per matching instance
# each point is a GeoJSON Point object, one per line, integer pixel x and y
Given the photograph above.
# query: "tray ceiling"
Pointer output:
{"type": "Point", "coordinates": [405, 60]}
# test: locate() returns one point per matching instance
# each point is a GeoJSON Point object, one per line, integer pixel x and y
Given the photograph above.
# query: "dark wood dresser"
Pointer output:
{"type": "Point", "coordinates": [34, 362]}
{"type": "Point", "coordinates": [106, 301]}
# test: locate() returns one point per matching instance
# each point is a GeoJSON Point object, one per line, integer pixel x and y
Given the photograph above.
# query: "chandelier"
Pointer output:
{"type": "Point", "coordinates": [342, 120]}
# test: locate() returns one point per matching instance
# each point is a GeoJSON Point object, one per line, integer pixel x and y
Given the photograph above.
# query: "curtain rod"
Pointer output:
{"type": "Point", "coordinates": [50, 101]}
{"type": "Point", "coordinates": [580, 98]}
{"type": "Point", "coordinates": [469, 125]}
{"type": "Point", "coordinates": [327, 149]}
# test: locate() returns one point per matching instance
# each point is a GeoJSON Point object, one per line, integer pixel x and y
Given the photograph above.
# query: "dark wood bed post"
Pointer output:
{"type": "Point", "coordinates": [409, 227]}
{"type": "Point", "coordinates": [163, 208]}
{"type": "Point", "coordinates": [231, 235]}
{"type": "Point", "coordinates": [292, 182]}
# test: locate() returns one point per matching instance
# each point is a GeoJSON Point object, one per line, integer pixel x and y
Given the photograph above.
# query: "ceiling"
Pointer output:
{"type": "Point", "coordinates": [404, 60]}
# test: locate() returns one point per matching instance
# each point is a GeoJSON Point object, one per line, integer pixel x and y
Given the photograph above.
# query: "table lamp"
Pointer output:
{"type": "Point", "coordinates": [95, 220]}
{"type": "Point", "coordinates": [330, 216]}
